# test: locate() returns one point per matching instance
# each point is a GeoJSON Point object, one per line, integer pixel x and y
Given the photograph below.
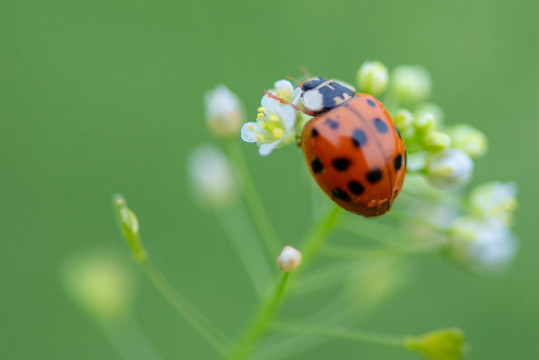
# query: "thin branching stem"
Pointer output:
{"type": "Point", "coordinates": [344, 334]}
{"type": "Point", "coordinates": [198, 321]}
{"type": "Point", "coordinates": [261, 321]}
{"type": "Point", "coordinates": [257, 210]}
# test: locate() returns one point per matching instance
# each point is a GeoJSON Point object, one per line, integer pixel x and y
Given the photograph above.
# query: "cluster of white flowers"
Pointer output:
{"type": "Point", "coordinates": [483, 239]}
{"type": "Point", "coordinates": [275, 124]}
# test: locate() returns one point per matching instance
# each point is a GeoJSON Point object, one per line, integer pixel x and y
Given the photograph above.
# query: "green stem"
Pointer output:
{"type": "Point", "coordinates": [205, 328]}
{"type": "Point", "coordinates": [344, 334]}
{"type": "Point", "coordinates": [345, 252]}
{"type": "Point", "coordinates": [261, 321]}
{"type": "Point", "coordinates": [317, 237]}
{"type": "Point", "coordinates": [268, 309]}
{"type": "Point", "coordinates": [258, 212]}
{"type": "Point", "coordinates": [236, 225]}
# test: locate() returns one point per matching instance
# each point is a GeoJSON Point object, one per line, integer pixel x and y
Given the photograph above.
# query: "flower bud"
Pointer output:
{"type": "Point", "coordinates": [468, 139]}
{"type": "Point", "coordinates": [436, 141]}
{"type": "Point", "coordinates": [445, 344]}
{"type": "Point", "coordinates": [424, 122]}
{"type": "Point", "coordinates": [403, 119]}
{"type": "Point", "coordinates": [486, 245]}
{"type": "Point", "coordinates": [450, 168]}
{"type": "Point", "coordinates": [495, 200]}
{"type": "Point", "coordinates": [410, 84]}
{"type": "Point", "coordinates": [130, 227]}
{"type": "Point", "coordinates": [212, 177]}
{"type": "Point", "coordinates": [100, 283]}
{"type": "Point", "coordinates": [290, 259]}
{"type": "Point", "coordinates": [224, 112]}
{"type": "Point", "coordinates": [372, 77]}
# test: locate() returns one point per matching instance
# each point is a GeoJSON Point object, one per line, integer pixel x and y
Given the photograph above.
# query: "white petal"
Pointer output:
{"type": "Point", "coordinates": [296, 96]}
{"type": "Point", "coordinates": [283, 85]}
{"type": "Point", "coordinates": [247, 134]}
{"type": "Point", "coordinates": [288, 115]}
{"type": "Point", "coordinates": [266, 149]}
{"type": "Point", "coordinates": [270, 104]}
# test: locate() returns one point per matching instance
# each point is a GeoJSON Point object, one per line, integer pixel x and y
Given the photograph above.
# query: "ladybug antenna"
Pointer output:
{"type": "Point", "coordinates": [283, 101]}
{"type": "Point", "coordinates": [294, 80]}
{"type": "Point", "coordinates": [305, 72]}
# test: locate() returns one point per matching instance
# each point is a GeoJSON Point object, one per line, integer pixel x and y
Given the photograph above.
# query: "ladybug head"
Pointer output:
{"type": "Point", "coordinates": [321, 95]}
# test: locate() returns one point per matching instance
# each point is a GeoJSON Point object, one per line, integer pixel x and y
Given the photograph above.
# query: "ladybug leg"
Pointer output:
{"type": "Point", "coordinates": [283, 101]}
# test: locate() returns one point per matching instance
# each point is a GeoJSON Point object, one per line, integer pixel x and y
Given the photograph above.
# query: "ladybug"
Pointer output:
{"type": "Point", "coordinates": [352, 147]}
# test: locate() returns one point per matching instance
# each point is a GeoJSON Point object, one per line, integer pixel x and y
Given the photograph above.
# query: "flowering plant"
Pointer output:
{"type": "Point", "coordinates": [433, 215]}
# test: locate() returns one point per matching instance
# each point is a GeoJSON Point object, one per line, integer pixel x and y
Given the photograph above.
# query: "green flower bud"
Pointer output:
{"type": "Point", "coordinates": [424, 122]}
{"type": "Point", "coordinates": [100, 283]}
{"type": "Point", "coordinates": [372, 77]}
{"type": "Point", "coordinates": [470, 140]}
{"type": "Point", "coordinates": [130, 227]}
{"type": "Point", "coordinates": [436, 141]}
{"type": "Point", "coordinates": [403, 119]}
{"type": "Point", "coordinates": [448, 344]}
{"type": "Point", "coordinates": [410, 84]}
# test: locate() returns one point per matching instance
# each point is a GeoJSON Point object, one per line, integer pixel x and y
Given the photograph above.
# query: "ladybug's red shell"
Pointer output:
{"type": "Point", "coordinates": [356, 155]}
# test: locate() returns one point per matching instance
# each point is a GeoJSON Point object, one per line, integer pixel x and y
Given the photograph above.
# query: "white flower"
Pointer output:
{"type": "Point", "coordinates": [470, 140]}
{"type": "Point", "coordinates": [224, 112]}
{"type": "Point", "coordinates": [450, 168]}
{"type": "Point", "coordinates": [372, 77]}
{"type": "Point", "coordinates": [212, 177]}
{"type": "Point", "coordinates": [482, 244]}
{"type": "Point", "coordinates": [276, 122]}
{"type": "Point", "coordinates": [495, 200]}
{"type": "Point", "coordinates": [411, 83]}
{"type": "Point", "coordinates": [290, 259]}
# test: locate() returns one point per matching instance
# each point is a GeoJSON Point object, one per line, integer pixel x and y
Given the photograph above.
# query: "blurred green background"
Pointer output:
{"type": "Point", "coordinates": [98, 97]}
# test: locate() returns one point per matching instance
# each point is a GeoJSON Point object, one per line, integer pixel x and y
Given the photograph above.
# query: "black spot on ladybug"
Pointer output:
{"type": "Point", "coordinates": [339, 194]}
{"type": "Point", "coordinates": [314, 132]}
{"type": "Point", "coordinates": [341, 164]}
{"type": "Point", "coordinates": [374, 176]}
{"type": "Point", "coordinates": [359, 138]}
{"type": "Point", "coordinates": [332, 124]}
{"type": "Point", "coordinates": [371, 103]}
{"type": "Point", "coordinates": [380, 125]}
{"type": "Point", "coordinates": [356, 188]}
{"type": "Point", "coordinates": [317, 165]}
{"type": "Point", "coordinates": [398, 162]}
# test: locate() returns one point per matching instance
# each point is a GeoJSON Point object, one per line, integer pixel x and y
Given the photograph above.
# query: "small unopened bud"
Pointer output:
{"type": "Point", "coordinates": [212, 177]}
{"type": "Point", "coordinates": [446, 344]}
{"type": "Point", "coordinates": [410, 83]}
{"type": "Point", "coordinates": [372, 77]}
{"type": "Point", "coordinates": [469, 139]}
{"type": "Point", "coordinates": [424, 122]}
{"type": "Point", "coordinates": [130, 227]}
{"type": "Point", "coordinates": [290, 259]}
{"type": "Point", "coordinates": [403, 119]}
{"type": "Point", "coordinates": [436, 141]}
{"type": "Point", "coordinates": [224, 112]}
{"type": "Point", "coordinates": [100, 283]}
{"type": "Point", "coordinates": [450, 168]}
